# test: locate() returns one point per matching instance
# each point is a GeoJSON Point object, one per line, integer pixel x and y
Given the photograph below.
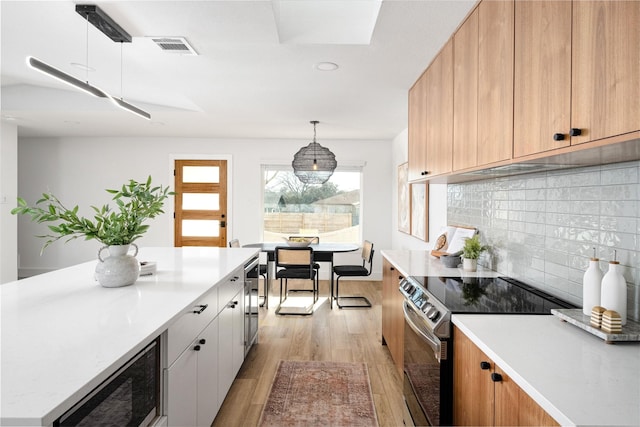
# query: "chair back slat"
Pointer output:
{"type": "Point", "coordinates": [290, 257]}
{"type": "Point", "coordinates": [367, 253]}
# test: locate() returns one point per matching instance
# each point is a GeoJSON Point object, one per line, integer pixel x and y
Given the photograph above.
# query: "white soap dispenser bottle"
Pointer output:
{"type": "Point", "coordinates": [614, 290]}
{"type": "Point", "coordinates": [591, 285]}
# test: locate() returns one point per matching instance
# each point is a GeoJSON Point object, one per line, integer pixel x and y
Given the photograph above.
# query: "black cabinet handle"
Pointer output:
{"type": "Point", "coordinates": [575, 132]}
{"type": "Point", "coordinates": [423, 173]}
{"type": "Point", "coordinates": [196, 348]}
{"type": "Point", "coordinates": [558, 137]}
{"type": "Point", "coordinates": [496, 378]}
{"type": "Point", "coordinates": [202, 341]}
{"type": "Point", "coordinates": [485, 365]}
{"type": "Point", "coordinates": [203, 307]}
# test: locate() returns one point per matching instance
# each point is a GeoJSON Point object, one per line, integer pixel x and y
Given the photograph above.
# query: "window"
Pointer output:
{"type": "Point", "coordinates": [293, 208]}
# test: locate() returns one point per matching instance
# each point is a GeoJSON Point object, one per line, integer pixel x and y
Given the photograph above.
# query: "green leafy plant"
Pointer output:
{"type": "Point", "coordinates": [473, 248]}
{"type": "Point", "coordinates": [135, 203]}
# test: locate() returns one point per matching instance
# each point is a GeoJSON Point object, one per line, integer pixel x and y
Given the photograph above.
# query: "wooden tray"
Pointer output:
{"type": "Point", "coordinates": [630, 331]}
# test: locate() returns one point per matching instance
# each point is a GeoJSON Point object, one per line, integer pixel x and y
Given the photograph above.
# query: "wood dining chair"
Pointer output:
{"type": "Point", "coordinates": [295, 263]}
{"type": "Point", "coordinates": [354, 271]}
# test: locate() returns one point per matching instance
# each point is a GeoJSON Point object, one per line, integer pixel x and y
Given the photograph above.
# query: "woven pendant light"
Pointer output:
{"type": "Point", "coordinates": [314, 164]}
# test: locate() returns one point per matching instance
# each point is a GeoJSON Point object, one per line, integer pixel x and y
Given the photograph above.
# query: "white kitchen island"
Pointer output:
{"type": "Point", "coordinates": [63, 334]}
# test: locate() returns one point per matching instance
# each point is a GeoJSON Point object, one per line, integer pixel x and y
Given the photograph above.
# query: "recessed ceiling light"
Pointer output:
{"type": "Point", "coordinates": [326, 66]}
{"type": "Point", "coordinates": [83, 67]}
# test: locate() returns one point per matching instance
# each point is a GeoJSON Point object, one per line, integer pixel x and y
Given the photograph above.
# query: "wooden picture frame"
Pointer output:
{"type": "Point", "coordinates": [404, 199]}
{"type": "Point", "coordinates": [420, 210]}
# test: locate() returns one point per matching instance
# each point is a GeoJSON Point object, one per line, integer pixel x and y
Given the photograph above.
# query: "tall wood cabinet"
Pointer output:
{"type": "Point", "coordinates": [577, 73]}
{"type": "Point", "coordinates": [431, 119]}
{"type": "Point", "coordinates": [392, 316]}
{"type": "Point", "coordinates": [483, 395]}
{"type": "Point", "coordinates": [439, 109]}
{"type": "Point", "coordinates": [417, 129]}
{"type": "Point", "coordinates": [483, 86]}
{"type": "Point", "coordinates": [495, 81]}
{"type": "Point", "coordinates": [465, 94]}
{"type": "Point", "coordinates": [605, 99]}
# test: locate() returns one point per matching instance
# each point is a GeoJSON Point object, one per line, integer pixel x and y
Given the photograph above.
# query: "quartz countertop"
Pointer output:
{"type": "Point", "coordinates": [422, 263]}
{"type": "Point", "coordinates": [63, 334]}
{"type": "Point", "coordinates": [575, 376]}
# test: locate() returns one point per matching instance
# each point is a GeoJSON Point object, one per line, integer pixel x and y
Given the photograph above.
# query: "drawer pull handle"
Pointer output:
{"type": "Point", "coordinates": [485, 365]}
{"type": "Point", "coordinates": [196, 348]}
{"type": "Point", "coordinates": [202, 341]}
{"type": "Point", "coordinates": [558, 137]}
{"type": "Point", "coordinates": [575, 132]}
{"type": "Point", "coordinates": [496, 378]}
{"type": "Point", "coordinates": [203, 307]}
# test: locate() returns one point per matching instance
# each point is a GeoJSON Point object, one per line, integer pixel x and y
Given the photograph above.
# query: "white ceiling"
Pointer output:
{"type": "Point", "coordinates": [245, 83]}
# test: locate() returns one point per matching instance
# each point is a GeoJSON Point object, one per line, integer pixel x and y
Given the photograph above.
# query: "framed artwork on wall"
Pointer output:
{"type": "Point", "coordinates": [420, 210]}
{"type": "Point", "coordinates": [404, 199]}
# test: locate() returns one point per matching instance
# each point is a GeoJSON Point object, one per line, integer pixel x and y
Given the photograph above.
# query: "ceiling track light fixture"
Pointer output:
{"type": "Point", "coordinates": [94, 15]}
{"type": "Point", "coordinates": [314, 164]}
{"type": "Point", "coordinates": [125, 105]}
{"type": "Point", "coordinates": [47, 69]}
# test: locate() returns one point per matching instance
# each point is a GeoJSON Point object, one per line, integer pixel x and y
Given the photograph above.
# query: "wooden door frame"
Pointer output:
{"type": "Point", "coordinates": [228, 158]}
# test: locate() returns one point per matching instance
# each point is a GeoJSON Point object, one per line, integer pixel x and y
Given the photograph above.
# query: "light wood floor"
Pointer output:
{"type": "Point", "coordinates": [347, 335]}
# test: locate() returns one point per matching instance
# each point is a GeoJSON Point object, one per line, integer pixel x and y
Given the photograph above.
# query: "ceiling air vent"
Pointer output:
{"type": "Point", "coordinates": [174, 45]}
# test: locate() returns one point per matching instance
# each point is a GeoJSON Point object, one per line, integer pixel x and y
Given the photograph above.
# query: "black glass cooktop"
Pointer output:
{"type": "Point", "coordinates": [495, 295]}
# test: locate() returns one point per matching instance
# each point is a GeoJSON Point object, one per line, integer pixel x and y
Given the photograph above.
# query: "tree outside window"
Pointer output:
{"type": "Point", "coordinates": [330, 211]}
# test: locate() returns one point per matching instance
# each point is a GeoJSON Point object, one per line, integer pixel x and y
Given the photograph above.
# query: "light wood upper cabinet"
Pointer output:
{"type": "Point", "coordinates": [577, 73]}
{"type": "Point", "coordinates": [542, 75]}
{"type": "Point", "coordinates": [439, 112]}
{"type": "Point", "coordinates": [465, 94]}
{"type": "Point", "coordinates": [495, 81]}
{"type": "Point", "coordinates": [417, 129]}
{"type": "Point", "coordinates": [606, 69]}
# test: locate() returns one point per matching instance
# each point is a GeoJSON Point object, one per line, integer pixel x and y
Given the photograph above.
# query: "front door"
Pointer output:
{"type": "Point", "coordinates": [200, 203]}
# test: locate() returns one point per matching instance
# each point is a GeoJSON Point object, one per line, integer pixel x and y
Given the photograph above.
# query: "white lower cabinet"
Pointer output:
{"type": "Point", "coordinates": [192, 382]}
{"type": "Point", "coordinates": [197, 382]}
{"type": "Point", "coordinates": [230, 343]}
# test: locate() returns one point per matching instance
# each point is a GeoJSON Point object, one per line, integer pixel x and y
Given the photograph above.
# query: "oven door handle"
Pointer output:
{"type": "Point", "coordinates": [431, 339]}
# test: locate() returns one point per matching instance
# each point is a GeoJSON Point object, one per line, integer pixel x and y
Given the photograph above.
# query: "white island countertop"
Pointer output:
{"type": "Point", "coordinates": [63, 334]}
{"type": "Point", "coordinates": [571, 374]}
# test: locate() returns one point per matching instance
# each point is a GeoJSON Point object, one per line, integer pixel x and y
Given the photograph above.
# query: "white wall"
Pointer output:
{"type": "Point", "coordinates": [78, 170]}
{"type": "Point", "coordinates": [437, 203]}
{"type": "Point", "coordinates": [8, 194]}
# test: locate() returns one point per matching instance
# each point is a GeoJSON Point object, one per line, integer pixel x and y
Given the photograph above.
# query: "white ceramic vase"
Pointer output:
{"type": "Point", "coordinates": [119, 268]}
{"type": "Point", "coordinates": [591, 286]}
{"type": "Point", "coordinates": [469, 264]}
{"type": "Point", "coordinates": [614, 291]}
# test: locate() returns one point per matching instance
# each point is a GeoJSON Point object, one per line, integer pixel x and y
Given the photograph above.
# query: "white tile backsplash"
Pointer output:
{"type": "Point", "coordinates": [542, 227]}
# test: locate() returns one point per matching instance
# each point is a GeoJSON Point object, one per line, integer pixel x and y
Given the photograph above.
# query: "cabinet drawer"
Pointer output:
{"type": "Point", "coordinates": [228, 289]}
{"type": "Point", "coordinates": [192, 321]}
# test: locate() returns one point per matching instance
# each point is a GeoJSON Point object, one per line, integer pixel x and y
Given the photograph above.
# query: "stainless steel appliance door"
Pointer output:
{"type": "Point", "coordinates": [422, 386]}
{"type": "Point", "coordinates": [251, 281]}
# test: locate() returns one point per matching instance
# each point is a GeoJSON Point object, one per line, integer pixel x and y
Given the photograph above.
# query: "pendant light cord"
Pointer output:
{"type": "Point", "coordinates": [121, 92]}
{"type": "Point", "coordinates": [87, 51]}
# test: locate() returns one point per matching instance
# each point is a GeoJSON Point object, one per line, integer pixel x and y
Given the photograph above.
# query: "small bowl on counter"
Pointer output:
{"type": "Point", "coordinates": [451, 261]}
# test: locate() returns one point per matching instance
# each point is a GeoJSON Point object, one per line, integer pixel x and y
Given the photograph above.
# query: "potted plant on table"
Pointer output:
{"type": "Point", "coordinates": [116, 228]}
{"type": "Point", "coordinates": [471, 252]}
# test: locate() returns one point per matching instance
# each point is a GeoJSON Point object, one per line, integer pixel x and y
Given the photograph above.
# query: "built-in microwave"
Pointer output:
{"type": "Point", "coordinates": [129, 397]}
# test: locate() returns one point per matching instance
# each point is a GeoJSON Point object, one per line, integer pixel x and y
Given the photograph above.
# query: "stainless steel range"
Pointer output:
{"type": "Point", "coordinates": [428, 344]}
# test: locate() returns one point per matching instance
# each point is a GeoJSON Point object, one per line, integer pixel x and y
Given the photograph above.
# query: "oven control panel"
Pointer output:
{"type": "Point", "coordinates": [428, 307]}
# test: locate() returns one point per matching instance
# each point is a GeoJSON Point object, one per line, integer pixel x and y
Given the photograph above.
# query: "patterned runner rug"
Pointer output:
{"type": "Point", "coordinates": [312, 393]}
